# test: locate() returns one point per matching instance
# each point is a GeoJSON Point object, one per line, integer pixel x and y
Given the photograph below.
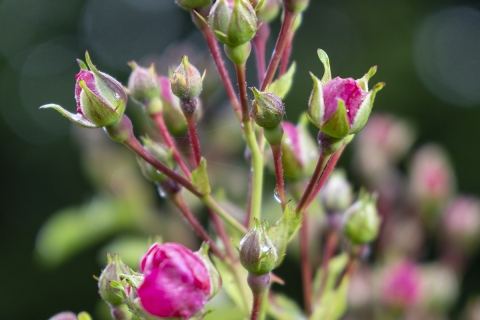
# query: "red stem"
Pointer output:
{"type": "Point", "coordinates": [326, 173]}
{"type": "Point", "coordinates": [330, 246]}
{"type": "Point", "coordinates": [137, 147]}
{"type": "Point", "coordinates": [277, 160]}
{"type": "Point", "coordinates": [192, 132]}
{"type": "Point", "coordinates": [219, 63]}
{"type": "Point", "coordinates": [162, 128]}
{"type": "Point", "coordinates": [242, 88]}
{"type": "Point", "coordinates": [282, 40]}
{"type": "Point", "coordinates": [257, 305]}
{"type": "Point", "coordinates": [260, 46]}
{"type": "Point", "coordinates": [305, 267]}
{"type": "Point", "coordinates": [286, 55]}
{"type": "Point", "coordinates": [178, 200]}
{"type": "Point", "coordinates": [302, 204]}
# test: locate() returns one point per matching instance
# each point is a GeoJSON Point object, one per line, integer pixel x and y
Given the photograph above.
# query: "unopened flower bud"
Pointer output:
{"type": "Point", "coordinates": [296, 6]}
{"type": "Point", "coordinates": [461, 222]}
{"type": "Point", "coordinates": [142, 83]}
{"type": "Point", "coordinates": [177, 282]}
{"type": "Point", "coordinates": [362, 222]}
{"type": "Point", "coordinates": [268, 11]}
{"type": "Point", "coordinates": [340, 107]}
{"type": "Point", "coordinates": [101, 100]}
{"type": "Point", "coordinates": [431, 177]}
{"type": "Point", "coordinates": [165, 184]}
{"type": "Point", "coordinates": [112, 272]}
{"type": "Point", "coordinates": [257, 252]}
{"type": "Point", "coordinates": [267, 109]}
{"type": "Point", "coordinates": [64, 316]}
{"type": "Point", "coordinates": [192, 4]}
{"type": "Point", "coordinates": [186, 81]}
{"type": "Point", "coordinates": [401, 285]}
{"type": "Point", "coordinates": [336, 194]}
{"type": "Point", "coordinates": [233, 21]}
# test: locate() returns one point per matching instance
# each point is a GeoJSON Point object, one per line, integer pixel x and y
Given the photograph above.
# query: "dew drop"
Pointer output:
{"type": "Point", "coordinates": [117, 96]}
{"type": "Point", "coordinates": [161, 192]}
{"type": "Point", "coordinates": [276, 195]}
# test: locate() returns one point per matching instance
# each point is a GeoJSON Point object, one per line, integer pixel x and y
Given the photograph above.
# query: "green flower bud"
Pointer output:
{"type": "Point", "coordinates": [233, 22]}
{"type": "Point", "coordinates": [112, 272]}
{"type": "Point", "coordinates": [142, 83]}
{"type": "Point", "coordinates": [296, 6]}
{"type": "Point", "coordinates": [362, 221]}
{"type": "Point", "coordinates": [257, 252]}
{"type": "Point", "coordinates": [161, 154]}
{"type": "Point", "coordinates": [186, 81]}
{"type": "Point", "coordinates": [336, 194]}
{"type": "Point", "coordinates": [192, 4]}
{"type": "Point", "coordinates": [267, 109]}
{"type": "Point", "coordinates": [268, 11]}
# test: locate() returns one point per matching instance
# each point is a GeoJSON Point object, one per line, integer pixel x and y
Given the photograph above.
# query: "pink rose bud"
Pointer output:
{"type": "Point", "coordinates": [461, 222]}
{"type": "Point", "coordinates": [431, 177]}
{"type": "Point", "coordinates": [142, 84]}
{"type": "Point", "coordinates": [64, 316]}
{"type": "Point", "coordinates": [101, 100]}
{"type": "Point", "coordinates": [178, 282]}
{"type": "Point", "coordinates": [401, 285]}
{"type": "Point", "coordinates": [341, 107]}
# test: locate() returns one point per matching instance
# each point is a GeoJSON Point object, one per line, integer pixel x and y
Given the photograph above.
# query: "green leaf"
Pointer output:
{"type": "Point", "coordinates": [335, 268]}
{"type": "Point", "coordinates": [200, 178]}
{"type": "Point", "coordinates": [333, 303]}
{"type": "Point", "coordinates": [230, 285]}
{"type": "Point", "coordinates": [337, 126]}
{"type": "Point", "coordinates": [284, 230]}
{"type": "Point", "coordinates": [284, 308]}
{"type": "Point", "coordinates": [282, 85]}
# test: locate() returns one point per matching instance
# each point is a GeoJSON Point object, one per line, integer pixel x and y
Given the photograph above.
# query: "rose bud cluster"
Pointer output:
{"type": "Point", "coordinates": [178, 282]}
{"type": "Point", "coordinates": [268, 111]}
{"type": "Point", "coordinates": [101, 100]}
{"type": "Point", "coordinates": [340, 107]}
{"type": "Point", "coordinates": [187, 86]}
{"type": "Point", "coordinates": [362, 222]}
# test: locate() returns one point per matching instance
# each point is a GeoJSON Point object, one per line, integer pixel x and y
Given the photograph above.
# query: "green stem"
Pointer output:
{"type": "Point", "coordinates": [212, 204]}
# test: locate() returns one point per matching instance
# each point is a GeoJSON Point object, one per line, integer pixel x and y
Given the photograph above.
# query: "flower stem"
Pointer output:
{"type": "Point", "coordinates": [257, 305]}
{"type": "Point", "coordinates": [286, 55]}
{"type": "Point", "coordinates": [329, 250]}
{"type": "Point", "coordinates": [219, 63]}
{"type": "Point", "coordinates": [179, 202]}
{"type": "Point", "coordinates": [137, 147]}
{"type": "Point", "coordinates": [192, 132]}
{"type": "Point", "coordinates": [260, 46]}
{"type": "Point", "coordinates": [277, 159]}
{"type": "Point", "coordinates": [162, 128]}
{"type": "Point", "coordinates": [257, 156]}
{"type": "Point", "coordinates": [282, 41]}
{"type": "Point", "coordinates": [259, 285]}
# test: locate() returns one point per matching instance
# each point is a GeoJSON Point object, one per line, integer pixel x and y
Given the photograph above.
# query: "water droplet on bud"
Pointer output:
{"type": "Point", "coordinates": [161, 192]}
{"type": "Point", "coordinates": [276, 195]}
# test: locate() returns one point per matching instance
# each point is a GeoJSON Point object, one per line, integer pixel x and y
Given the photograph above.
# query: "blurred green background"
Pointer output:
{"type": "Point", "coordinates": [428, 53]}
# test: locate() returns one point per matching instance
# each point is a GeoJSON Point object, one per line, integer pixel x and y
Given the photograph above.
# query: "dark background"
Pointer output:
{"type": "Point", "coordinates": [428, 53]}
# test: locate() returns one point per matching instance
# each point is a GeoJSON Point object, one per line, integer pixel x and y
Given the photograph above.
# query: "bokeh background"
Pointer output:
{"type": "Point", "coordinates": [428, 53]}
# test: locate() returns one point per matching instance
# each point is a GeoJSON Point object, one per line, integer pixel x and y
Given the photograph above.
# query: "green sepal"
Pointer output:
{"type": "Point", "coordinates": [82, 64]}
{"type": "Point", "coordinates": [91, 66]}
{"type": "Point", "coordinates": [365, 109]}
{"type": "Point", "coordinates": [284, 230]}
{"type": "Point", "coordinates": [282, 85]}
{"type": "Point", "coordinates": [243, 23]}
{"type": "Point", "coordinates": [76, 118]}
{"type": "Point", "coordinates": [215, 278]}
{"type": "Point", "coordinates": [84, 316]}
{"type": "Point", "coordinates": [316, 106]}
{"type": "Point", "coordinates": [363, 81]}
{"type": "Point", "coordinates": [327, 75]}
{"type": "Point", "coordinates": [98, 110]}
{"type": "Point", "coordinates": [200, 177]}
{"type": "Point", "coordinates": [337, 126]}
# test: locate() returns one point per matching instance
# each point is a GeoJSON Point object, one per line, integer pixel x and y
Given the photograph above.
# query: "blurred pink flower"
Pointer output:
{"type": "Point", "coordinates": [401, 285]}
